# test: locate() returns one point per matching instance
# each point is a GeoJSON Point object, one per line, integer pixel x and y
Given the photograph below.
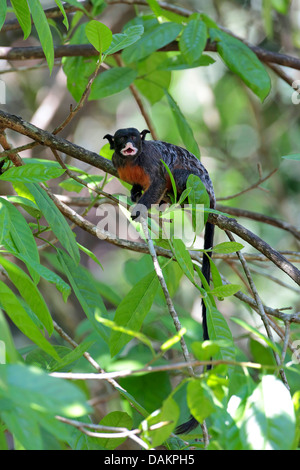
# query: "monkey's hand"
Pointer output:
{"type": "Point", "coordinates": [139, 211]}
{"type": "Point", "coordinates": [136, 192]}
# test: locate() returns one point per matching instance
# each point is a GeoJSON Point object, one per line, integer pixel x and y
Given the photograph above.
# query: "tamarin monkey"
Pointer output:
{"type": "Point", "coordinates": [138, 162]}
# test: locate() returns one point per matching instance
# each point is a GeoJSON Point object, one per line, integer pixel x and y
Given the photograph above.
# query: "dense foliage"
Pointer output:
{"type": "Point", "coordinates": [78, 297]}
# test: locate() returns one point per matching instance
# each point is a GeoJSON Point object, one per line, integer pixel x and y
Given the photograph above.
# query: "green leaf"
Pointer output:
{"type": "Point", "coordinates": [282, 6]}
{"type": "Point", "coordinates": [48, 275]}
{"type": "Point", "coordinates": [133, 309]}
{"type": "Point", "coordinates": [155, 7]}
{"type": "Point", "coordinates": [204, 350]}
{"type": "Point", "coordinates": [126, 331]}
{"type": "Point", "coordinates": [29, 292]}
{"type": "Point", "coordinates": [167, 416]}
{"type": "Point", "coordinates": [78, 69]}
{"type": "Point", "coordinates": [154, 38]}
{"type": "Point", "coordinates": [183, 258]}
{"type": "Point", "coordinates": [227, 247]}
{"type": "Point", "coordinates": [198, 193]}
{"type": "Point", "coordinates": [200, 400]}
{"type": "Point", "coordinates": [174, 188]}
{"type": "Point", "coordinates": [85, 290]}
{"type": "Point", "coordinates": [16, 235]}
{"type": "Point", "coordinates": [22, 13]}
{"type": "Point", "coordinates": [61, 7]}
{"type": "Point", "coordinates": [160, 12]}
{"type": "Point", "coordinates": [193, 40]}
{"type": "Point", "coordinates": [178, 62]}
{"type": "Point", "coordinates": [3, 10]}
{"type": "Point", "coordinates": [133, 402]}
{"type": "Point", "coordinates": [71, 185]}
{"type": "Point", "coordinates": [55, 219]}
{"type": "Point", "coordinates": [79, 6]}
{"type": "Point", "coordinates": [28, 205]}
{"type": "Point", "coordinates": [184, 129]}
{"type": "Point", "coordinates": [90, 254]}
{"type": "Point", "coordinates": [295, 157]}
{"type": "Point", "coordinates": [219, 330]}
{"type": "Point", "coordinates": [225, 290]}
{"type": "Point", "coordinates": [260, 352]}
{"type": "Point", "coordinates": [112, 81]}
{"type": "Point", "coordinates": [123, 40]}
{"type": "Point", "coordinates": [216, 277]}
{"type": "Point", "coordinates": [242, 61]}
{"type": "Point", "coordinates": [31, 173]}
{"type": "Point", "coordinates": [43, 30]}
{"type": "Point", "coordinates": [199, 199]}
{"type": "Point", "coordinates": [268, 422]}
{"type": "Point", "coordinates": [33, 400]}
{"type": "Point", "coordinates": [116, 419]}
{"type": "Point", "coordinates": [173, 340]}
{"type": "Point", "coordinates": [70, 355]}
{"type": "Point", "coordinates": [99, 35]}
{"type": "Point", "coordinates": [11, 354]}
{"type": "Point", "coordinates": [152, 81]}
{"type": "Point", "coordinates": [18, 315]}
{"type": "Point", "coordinates": [257, 333]}
{"type": "Point", "coordinates": [106, 151]}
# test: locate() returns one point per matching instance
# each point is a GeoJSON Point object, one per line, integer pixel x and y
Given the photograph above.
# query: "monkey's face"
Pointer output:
{"type": "Point", "coordinates": [127, 142]}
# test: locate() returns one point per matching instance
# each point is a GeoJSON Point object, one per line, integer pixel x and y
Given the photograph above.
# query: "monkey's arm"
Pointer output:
{"type": "Point", "coordinates": [152, 195]}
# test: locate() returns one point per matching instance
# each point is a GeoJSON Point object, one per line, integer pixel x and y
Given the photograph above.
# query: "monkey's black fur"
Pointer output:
{"type": "Point", "coordinates": [138, 162]}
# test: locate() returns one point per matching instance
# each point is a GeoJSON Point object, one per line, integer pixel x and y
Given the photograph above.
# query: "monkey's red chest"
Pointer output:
{"type": "Point", "coordinates": [134, 174]}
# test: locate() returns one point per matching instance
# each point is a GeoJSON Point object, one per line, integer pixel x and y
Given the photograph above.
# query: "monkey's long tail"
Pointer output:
{"type": "Point", "coordinates": [208, 243]}
{"type": "Point", "coordinates": [192, 423]}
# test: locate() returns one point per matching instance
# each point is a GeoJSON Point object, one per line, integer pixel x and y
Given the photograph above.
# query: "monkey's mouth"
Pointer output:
{"type": "Point", "coordinates": [129, 149]}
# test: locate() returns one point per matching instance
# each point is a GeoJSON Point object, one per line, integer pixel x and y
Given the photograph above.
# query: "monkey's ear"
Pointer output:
{"type": "Point", "coordinates": [143, 133]}
{"type": "Point", "coordinates": [110, 139]}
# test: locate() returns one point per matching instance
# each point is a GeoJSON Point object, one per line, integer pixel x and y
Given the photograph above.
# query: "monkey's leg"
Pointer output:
{"type": "Point", "coordinates": [180, 176]}
{"type": "Point", "coordinates": [136, 192]}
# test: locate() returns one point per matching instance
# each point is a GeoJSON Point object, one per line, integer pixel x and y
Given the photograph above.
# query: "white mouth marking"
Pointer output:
{"type": "Point", "coordinates": [129, 149]}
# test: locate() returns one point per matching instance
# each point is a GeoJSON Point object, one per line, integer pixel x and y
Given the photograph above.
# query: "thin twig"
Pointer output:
{"type": "Point", "coordinates": [286, 341]}
{"type": "Point", "coordinates": [92, 187]}
{"type": "Point", "coordinates": [94, 159]}
{"type": "Point", "coordinates": [87, 50]}
{"type": "Point", "coordinates": [164, 287]}
{"type": "Point", "coordinates": [139, 102]}
{"type": "Point", "coordinates": [112, 432]}
{"type": "Point", "coordinates": [86, 355]}
{"type": "Point", "coordinates": [266, 219]}
{"type": "Point", "coordinates": [161, 368]}
{"type": "Point", "coordinates": [14, 157]}
{"type": "Point", "coordinates": [143, 248]}
{"type": "Point", "coordinates": [250, 188]}
{"type": "Point", "coordinates": [80, 103]}
{"type": "Point", "coordinates": [260, 308]}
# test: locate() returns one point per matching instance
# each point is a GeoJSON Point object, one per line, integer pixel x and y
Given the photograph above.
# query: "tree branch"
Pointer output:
{"type": "Point", "coordinates": [233, 226]}
{"type": "Point", "coordinates": [87, 50]}
{"type": "Point", "coordinates": [266, 219]}
{"type": "Point", "coordinates": [17, 124]}
{"type": "Point", "coordinates": [46, 138]}
{"type": "Point", "coordinates": [260, 308]}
